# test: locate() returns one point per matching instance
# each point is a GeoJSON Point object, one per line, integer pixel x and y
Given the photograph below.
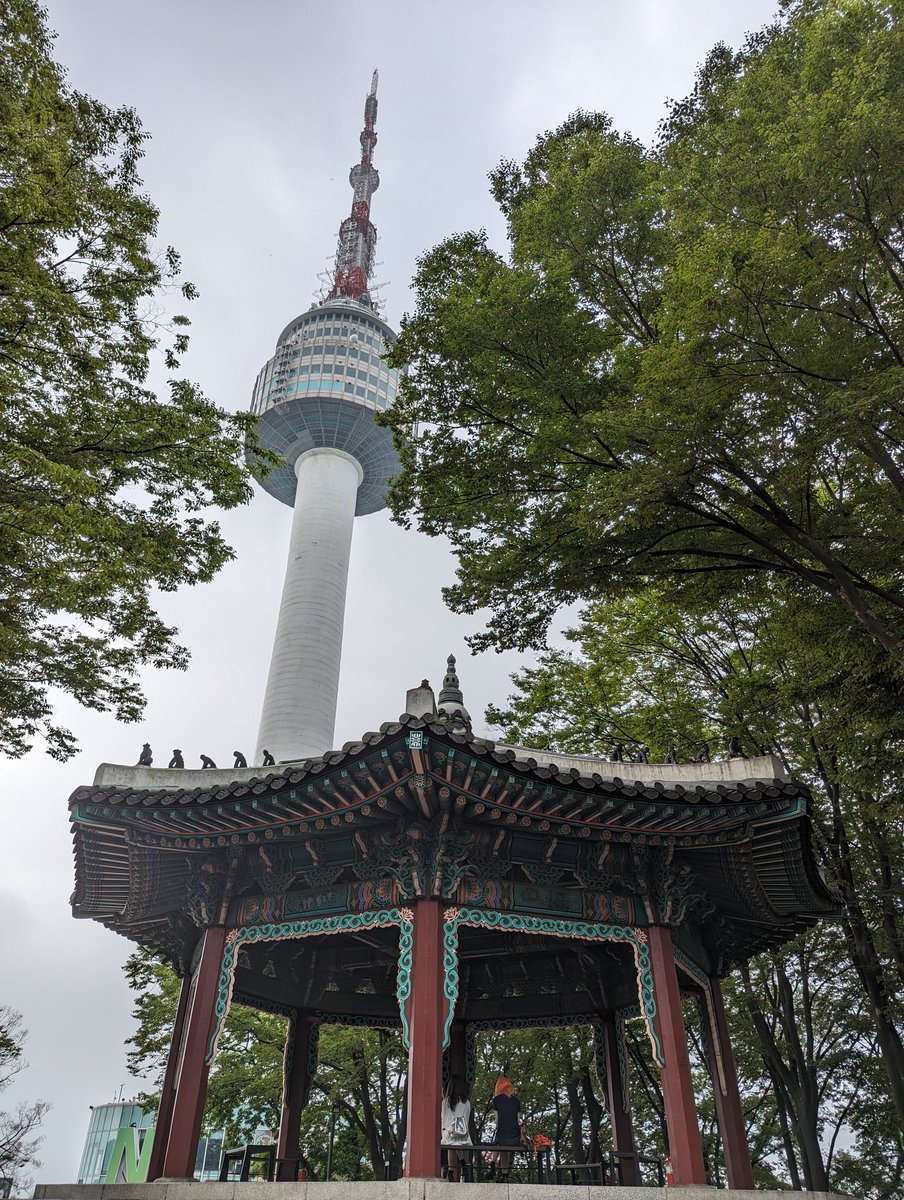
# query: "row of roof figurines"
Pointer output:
{"type": "Point", "coordinates": [640, 755]}
{"type": "Point", "coordinates": [177, 762]}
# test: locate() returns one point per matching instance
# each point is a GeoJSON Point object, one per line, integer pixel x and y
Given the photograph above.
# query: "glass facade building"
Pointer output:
{"type": "Point", "coordinates": [106, 1122]}
{"type": "Point", "coordinates": [104, 1126]}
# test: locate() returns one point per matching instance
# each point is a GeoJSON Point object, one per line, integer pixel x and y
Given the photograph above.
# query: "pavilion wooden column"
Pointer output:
{"type": "Point", "coordinates": [296, 1086]}
{"type": "Point", "coordinates": [425, 1030]}
{"type": "Point", "coordinates": [191, 1081]}
{"type": "Point", "coordinates": [729, 1114]}
{"type": "Point", "coordinates": [619, 1103]}
{"type": "Point", "coordinates": [685, 1147]}
{"type": "Point", "coordinates": [168, 1091]}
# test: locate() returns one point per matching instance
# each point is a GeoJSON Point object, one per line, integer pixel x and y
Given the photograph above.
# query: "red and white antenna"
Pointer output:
{"type": "Point", "coordinates": [357, 235]}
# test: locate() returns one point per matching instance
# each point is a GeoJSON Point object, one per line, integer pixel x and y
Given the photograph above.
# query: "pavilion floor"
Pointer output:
{"type": "Point", "coordinates": [399, 1189]}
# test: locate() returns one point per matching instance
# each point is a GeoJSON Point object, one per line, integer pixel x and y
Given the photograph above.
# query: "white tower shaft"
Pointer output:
{"type": "Point", "coordinates": [299, 713]}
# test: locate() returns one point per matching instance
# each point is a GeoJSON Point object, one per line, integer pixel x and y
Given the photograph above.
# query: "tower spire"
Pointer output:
{"type": "Point", "coordinates": [357, 235]}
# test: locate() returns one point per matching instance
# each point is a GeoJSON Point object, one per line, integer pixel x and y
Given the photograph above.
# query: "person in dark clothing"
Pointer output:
{"type": "Point", "coordinates": [507, 1108]}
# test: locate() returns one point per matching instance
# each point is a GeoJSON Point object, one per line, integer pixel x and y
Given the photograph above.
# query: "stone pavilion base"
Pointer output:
{"type": "Point", "coordinates": [400, 1189]}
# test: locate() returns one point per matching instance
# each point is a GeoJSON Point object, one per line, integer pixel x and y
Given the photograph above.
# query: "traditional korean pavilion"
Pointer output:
{"type": "Point", "coordinates": [432, 880]}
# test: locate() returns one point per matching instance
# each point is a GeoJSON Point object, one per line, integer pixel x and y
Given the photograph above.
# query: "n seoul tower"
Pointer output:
{"type": "Point", "coordinates": [316, 398]}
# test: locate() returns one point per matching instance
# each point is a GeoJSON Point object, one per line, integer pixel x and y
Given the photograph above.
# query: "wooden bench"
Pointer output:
{"type": "Point", "coordinates": [243, 1157]}
{"type": "Point", "coordinates": [542, 1156]}
{"type": "Point", "coordinates": [609, 1171]}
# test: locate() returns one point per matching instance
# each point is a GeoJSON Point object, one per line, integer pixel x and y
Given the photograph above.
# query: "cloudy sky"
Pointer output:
{"type": "Point", "coordinates": [254, 112]}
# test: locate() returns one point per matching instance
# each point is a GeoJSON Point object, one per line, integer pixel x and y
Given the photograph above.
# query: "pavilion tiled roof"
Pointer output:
{"type": "Point", "coordinates": [418, 769]}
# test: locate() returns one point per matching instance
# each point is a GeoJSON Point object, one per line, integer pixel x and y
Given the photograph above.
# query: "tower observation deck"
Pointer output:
{"type": "Point", "coordinates": [316, 399]}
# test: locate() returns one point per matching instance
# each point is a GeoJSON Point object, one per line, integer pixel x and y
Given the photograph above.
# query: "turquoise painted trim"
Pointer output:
{"type": "Point", "coordinates": [689, 967]}
{"type": "Point", "coordinates": [636, 938]}
{"type": "Point", "coordinates": [450, 975]}
{"type": "Point", "coordinates": [621, 1050]}
{"type": "Point", "coordinates": [401, 917]}
{"type": "Point", "coordinates": [355, 1020]}
{"type": "Point", "coordinates": [565, 1021]}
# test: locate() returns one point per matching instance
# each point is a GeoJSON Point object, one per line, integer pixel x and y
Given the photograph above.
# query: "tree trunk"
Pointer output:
{"type": "Point", "coordinates": [864, 953]}
{"type": "Point", "coordinates": [594, 1116]}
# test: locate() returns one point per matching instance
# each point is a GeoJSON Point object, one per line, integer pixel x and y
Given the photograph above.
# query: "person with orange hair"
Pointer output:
{"type": "Point", "coordinates": [506, 1106]}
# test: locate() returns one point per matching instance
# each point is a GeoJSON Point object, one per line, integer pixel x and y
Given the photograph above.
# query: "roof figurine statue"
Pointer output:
{"type": "Point", "coordinates": [177, 761]}
{"type": "Point", "coordinates": [146, 757]}
{"type": "Point", "coordinates": [734, 748]}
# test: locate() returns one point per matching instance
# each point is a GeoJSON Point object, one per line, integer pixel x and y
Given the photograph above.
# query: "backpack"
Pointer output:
{"type": "Point", "coordinates": [459, 1126]}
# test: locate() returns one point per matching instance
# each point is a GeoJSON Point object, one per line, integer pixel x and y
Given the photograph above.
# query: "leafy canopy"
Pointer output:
{"type": "Point", "coordinates": [689, 367]}
{"type": "Point", "coordinates": [103, 483]}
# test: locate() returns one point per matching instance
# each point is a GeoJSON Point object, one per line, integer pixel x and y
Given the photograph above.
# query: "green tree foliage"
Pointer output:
{"type": "Point", "coordinates": [18, 1137]}
{"type": "Point", "coordinates": [689, 367]}
{"type": "Point", "coordinates": [102, 482]}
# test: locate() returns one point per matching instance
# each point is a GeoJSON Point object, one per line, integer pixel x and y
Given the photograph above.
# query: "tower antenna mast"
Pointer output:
{"type": "Point", "coordinates": [357, 234]}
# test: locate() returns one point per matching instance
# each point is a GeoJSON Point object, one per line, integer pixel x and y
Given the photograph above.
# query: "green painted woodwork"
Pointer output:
{"type": "Point", "coordinates": [557, 927]}
{"type": "Point", "coordinates": [403, 918]}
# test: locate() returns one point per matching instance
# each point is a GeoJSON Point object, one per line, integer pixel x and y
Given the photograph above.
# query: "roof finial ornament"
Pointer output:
{"type": "Point", "coordinates": [450, 701]}
{"type": "Point", "coordinates": [450, 693]}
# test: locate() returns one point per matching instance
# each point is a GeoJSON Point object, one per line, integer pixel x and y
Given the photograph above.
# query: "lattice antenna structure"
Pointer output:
{"type": "Point", "coordinates": [357, 234]}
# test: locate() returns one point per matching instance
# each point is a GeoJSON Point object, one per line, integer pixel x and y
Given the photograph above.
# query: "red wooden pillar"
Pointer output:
{"type": "Point", "coordinates": [685, 1147]}
{"type": "Point", "coordinates": [296, 1085]}
{"type": "Point", "coordinates": [425, 1031]}
{"type": "Point", "coordinates": [729, 1114]}
{"type": "Point", "coordinates": [191, 1081]}
{"type": "Point", "coordinates": [168, 1091]}
{"type": "Point", "coordinates": [619, 1102]}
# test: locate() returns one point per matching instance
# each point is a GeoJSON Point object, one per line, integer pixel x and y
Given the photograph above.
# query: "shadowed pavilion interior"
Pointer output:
{"type": "Point", "coordinates": [434, 880]}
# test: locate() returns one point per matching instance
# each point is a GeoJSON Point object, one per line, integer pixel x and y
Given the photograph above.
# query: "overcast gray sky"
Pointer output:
{"type": "Point", "coordinates": [254, 112]}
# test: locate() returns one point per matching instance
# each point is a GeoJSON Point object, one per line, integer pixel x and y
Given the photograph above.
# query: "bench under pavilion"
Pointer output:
{"type": "Point", "coordinates": [426, 879]}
